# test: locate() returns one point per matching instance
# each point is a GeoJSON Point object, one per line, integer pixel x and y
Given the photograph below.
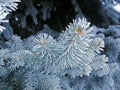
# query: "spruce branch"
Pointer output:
{"type": "Point", "coordinates": [45, 48]}
{"type": "Point", "coordinates": [79, 47]}
{"type": "Point", "coordinates": [41, 62]}
{"type": "Point", "coordinates": [6, 6]}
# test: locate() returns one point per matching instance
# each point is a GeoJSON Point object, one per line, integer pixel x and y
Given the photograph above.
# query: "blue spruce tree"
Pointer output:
{"type": "Point", "coordinates": [67, 63]}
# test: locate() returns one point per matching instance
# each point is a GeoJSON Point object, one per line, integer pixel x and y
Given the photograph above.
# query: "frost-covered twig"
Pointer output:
{"type": "Point", "coordinates": [6, 6]}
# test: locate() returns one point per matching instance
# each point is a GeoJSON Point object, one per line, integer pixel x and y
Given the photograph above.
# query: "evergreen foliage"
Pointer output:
{"type": "Point", "coordinates": [6, 6]}
{"type": "Point", "coordinates": [45, 63]}
{"type": "Point", "coordinates": [111, 36]}
{"type": "Point", "coordinates": [79, 58]}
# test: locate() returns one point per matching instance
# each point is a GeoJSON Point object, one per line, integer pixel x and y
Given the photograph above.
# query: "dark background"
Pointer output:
{"type": "Point", "coordinates": [32, 15]}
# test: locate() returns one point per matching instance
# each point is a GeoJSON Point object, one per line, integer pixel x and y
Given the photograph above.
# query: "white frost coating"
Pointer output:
{"type": "Point", "coordinates": [6, 6]}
